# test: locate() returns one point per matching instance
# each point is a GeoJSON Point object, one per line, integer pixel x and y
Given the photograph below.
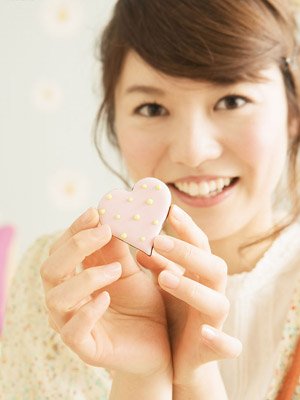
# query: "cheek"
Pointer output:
{"type": "Point", "coordinates": [262, 143]}
{"type": "Point", "coordinates": [140, 153]}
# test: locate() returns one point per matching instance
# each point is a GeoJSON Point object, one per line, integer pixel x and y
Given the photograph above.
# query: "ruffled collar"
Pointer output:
{"type": "Point", "coordinates": [278, 259]}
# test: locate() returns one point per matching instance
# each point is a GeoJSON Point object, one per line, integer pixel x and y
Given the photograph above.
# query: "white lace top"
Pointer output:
{"type": "Point", "coordinates": [260, 301]}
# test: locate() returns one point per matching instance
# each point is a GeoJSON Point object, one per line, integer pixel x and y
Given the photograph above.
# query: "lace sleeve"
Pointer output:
{"type": "Point", "coordinates": [35, 363]}
{"type": "Point", "coordinates": [288, 344]}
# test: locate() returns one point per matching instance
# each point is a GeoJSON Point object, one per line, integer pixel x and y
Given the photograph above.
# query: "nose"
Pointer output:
{"type": "Point", "coordinates": [194, 142]}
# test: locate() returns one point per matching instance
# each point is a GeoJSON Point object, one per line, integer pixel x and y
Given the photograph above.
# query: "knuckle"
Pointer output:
{"type": "Point", "coordinates": [89, 277]}
{"type": "Point", "coordinates": [77, 242]}
{"type": "Point", "coordinates": [49, 301]}
{"type": "Point", "coordinates": [194, 292]}
{"type": "Point", "coordinates": [56, 244]}
{"type": "Point", "coordinates": [45, 272]}
{"type": "Point", "coordinates": [74, 228]}
{"type": "Point", "coordinates": [187, 253]}
{"type": "Point", "coordinates": [52, 301]}
{"type": "Point", "coordinates": [69, 337]}
{"type": "Point", "coordinates": [87, 313]}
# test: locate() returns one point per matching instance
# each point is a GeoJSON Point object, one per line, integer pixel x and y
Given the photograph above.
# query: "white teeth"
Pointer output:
{"type": "Point", "coordinates": [220, 183]}
{"type": "Point", "coordinates": [227, 181]}
{"type": "Point", "coordinates": [212, 186]}
{"type": "Point", "coordinates": [193, 189]}
{"type": "Point", "coordinates": [204, 188]}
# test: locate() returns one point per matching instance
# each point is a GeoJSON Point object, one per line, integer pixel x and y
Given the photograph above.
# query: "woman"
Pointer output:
{"type": "Point", "coordinates": [202, 95]}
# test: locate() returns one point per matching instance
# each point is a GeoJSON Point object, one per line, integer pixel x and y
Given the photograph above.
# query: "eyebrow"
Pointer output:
{"type": "Point", "coordinates": [144, 89]}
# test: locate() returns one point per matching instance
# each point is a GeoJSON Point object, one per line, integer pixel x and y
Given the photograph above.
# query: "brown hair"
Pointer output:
{"type": "Point", "coordinates": [222, 41]}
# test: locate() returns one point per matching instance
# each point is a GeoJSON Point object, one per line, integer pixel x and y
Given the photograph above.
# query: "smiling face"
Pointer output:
{"type": "Point", "coordinates": [221, 149]}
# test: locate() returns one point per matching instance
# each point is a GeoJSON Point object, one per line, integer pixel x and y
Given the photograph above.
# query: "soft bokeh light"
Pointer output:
{"type": "Point", "coordinates": [68, 189]}
{"type": "Point", "coordinates": [62, 18]}
{"type": "Point", "coordinates": [47, 95]}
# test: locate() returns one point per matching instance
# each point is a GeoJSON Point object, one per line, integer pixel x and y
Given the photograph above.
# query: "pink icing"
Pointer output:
{"type": "Point", "coordinates": [137, 216]}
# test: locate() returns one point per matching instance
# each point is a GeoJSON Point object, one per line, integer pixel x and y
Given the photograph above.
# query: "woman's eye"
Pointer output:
{"type": "Point", "coordinates": [150, 110]}
{"type": "Point", "coordinates": [231, 102]}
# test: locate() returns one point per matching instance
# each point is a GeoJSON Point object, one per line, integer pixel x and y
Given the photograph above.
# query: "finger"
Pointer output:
{"type": "Point", "coordinates": [209, 302]}
{"type": "Point", "coordinates": [77, 332]}
{"type": "Point", "coordinates": [224, 346]}
{"type": "Point", "coordinates": [64, 298]}
{"type": "Point", "coordinates": [157, 263]}
{"type": "Point", "coordinates": [89, 219]}
{"type": "Point", "coordinates": [117, 250]}
{"type": "Point", "coordinates": [187, 229]}
{"type": "Point", "coordinates": [62, 263]}
{"type": "Point", "coordinates": [210, 269]}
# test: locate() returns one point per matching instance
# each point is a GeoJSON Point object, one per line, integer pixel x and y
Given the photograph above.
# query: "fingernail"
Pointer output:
{"type": "Point", "coordinates": [112, 270]}
{"type": "Point", "coordinates": [163, 243]}
{"type": "Point", "coordinates": [169, 280]}
{"type": "Point", "coordinates": [177, 213]}
{"type": "Point", "coordinates": [208, 333]}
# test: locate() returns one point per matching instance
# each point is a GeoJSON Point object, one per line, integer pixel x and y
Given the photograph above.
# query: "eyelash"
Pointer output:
{"type": "Point", "coordinates": [230, 96]}
{"type": "Point", "coordinates": [139, 108]}
{"type": "Point", "coordinates": [235, 97]}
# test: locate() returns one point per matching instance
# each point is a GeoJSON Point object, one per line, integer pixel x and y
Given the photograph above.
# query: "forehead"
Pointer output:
{"type": "Point", "coordinates": [137, 73]}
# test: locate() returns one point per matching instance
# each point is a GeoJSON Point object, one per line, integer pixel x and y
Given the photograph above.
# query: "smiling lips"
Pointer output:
{"type": "Point", "coordinates": [206, 191]}
{"type": "Point", "coordinates": [207, 188]}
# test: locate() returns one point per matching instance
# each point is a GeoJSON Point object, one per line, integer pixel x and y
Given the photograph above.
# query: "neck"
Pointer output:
{"type": "Point", "coordinates": [233, 249]}
{"type": "Point", "coordinates": [238, 258]}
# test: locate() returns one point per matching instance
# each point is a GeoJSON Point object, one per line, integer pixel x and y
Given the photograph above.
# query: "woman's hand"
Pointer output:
{"type": "Point", "coordinates": [194, 281]}
{"type": "Point", "coordinates": [111, 313]}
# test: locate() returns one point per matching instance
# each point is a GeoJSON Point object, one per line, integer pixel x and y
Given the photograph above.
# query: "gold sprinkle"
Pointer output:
{"type": "Point", "coordinates": [142, 238]}
{"type": "Point", "coordinates": [130, 199]}
{"type": "Point", "coordinates": [144, 186]}
{"type": "Point", "coordinates": [136, 217]}
{"type": "Point", "coordinates": [155, 222]}
{"type": "Point", "coordinates": [117, 216]}
{"type": "Point", "coordinates": [102, 211]}
{"type": "Point", "coordinates": [123, 235]}
{"type": "Point", "coordinates": [149, 202]}
{"type": "Point", "coordinates": [157, 187]}
{"type": "Point", "coordinates": [109, 196]}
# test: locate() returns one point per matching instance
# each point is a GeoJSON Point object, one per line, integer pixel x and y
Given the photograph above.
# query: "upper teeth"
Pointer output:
{"type": "Point", "coordinates": [204, 188]}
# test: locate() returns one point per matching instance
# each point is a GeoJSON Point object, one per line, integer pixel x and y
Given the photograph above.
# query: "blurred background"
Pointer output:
{"type": "Point", "coordinates": [50, 91]}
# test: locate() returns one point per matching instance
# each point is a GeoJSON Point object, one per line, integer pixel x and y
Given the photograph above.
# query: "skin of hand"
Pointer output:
{"type": "Point", "coordinates": [193, 283]}
{"type": "Point", "coordinates": [111, 313]}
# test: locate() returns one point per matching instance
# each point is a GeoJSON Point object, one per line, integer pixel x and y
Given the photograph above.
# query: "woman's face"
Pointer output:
{"type": "Point", "coordinates": [220, 149]}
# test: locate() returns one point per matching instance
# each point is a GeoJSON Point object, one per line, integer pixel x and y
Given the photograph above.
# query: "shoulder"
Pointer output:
{"type": "Point", "coordinates": [25, 295]}
{"type": "Point", "coordinates": [39, 249]}
{"type": "Point", "coordinates": [34, 256]}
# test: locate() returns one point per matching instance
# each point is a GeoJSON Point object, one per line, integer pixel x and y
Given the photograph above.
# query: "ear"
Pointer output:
{"type": "Point", "coordinates": [293, 127]}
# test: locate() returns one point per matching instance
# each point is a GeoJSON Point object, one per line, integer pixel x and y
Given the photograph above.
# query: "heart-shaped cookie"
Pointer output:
{"type": "Point", "coordinates": [136, 217]}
